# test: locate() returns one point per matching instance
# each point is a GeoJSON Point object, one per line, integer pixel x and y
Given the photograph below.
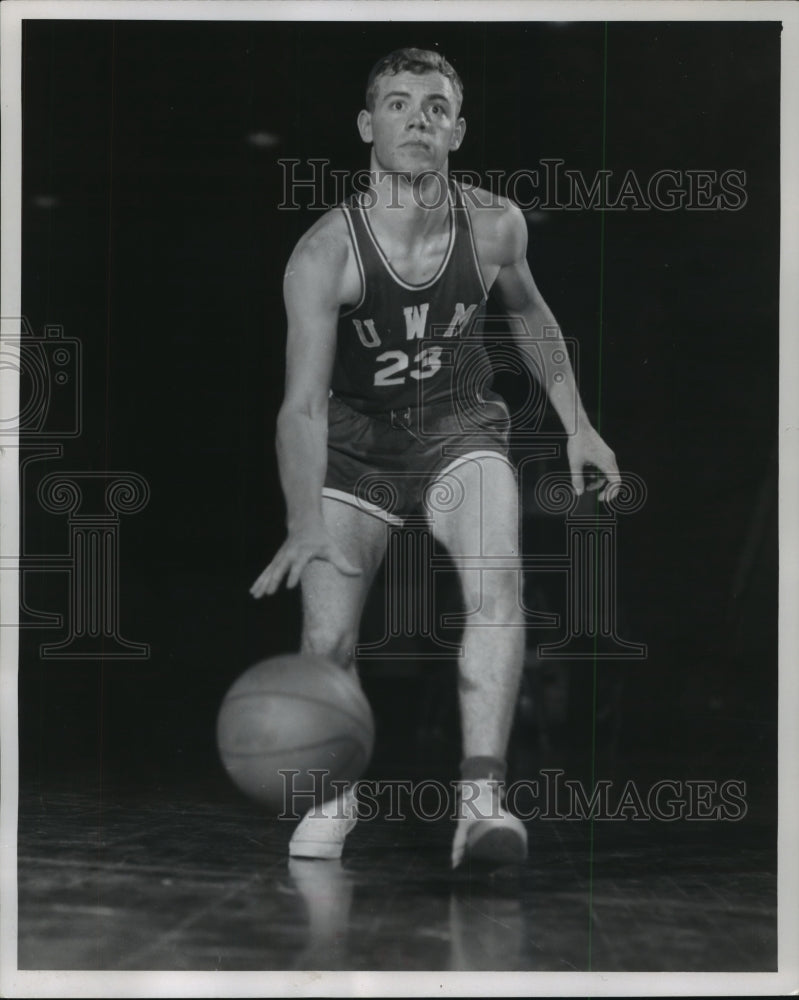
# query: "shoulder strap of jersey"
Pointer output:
{"type": "Point", "coordinates": [353, 225]}
{"type": "Point", "coordinates": [464, 223]}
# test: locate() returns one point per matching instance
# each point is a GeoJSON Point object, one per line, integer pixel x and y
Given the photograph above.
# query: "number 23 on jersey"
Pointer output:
{"type": "Point", "coordinates": [426, 364]}
{"type": "Point", "coordinates": [396, 366]}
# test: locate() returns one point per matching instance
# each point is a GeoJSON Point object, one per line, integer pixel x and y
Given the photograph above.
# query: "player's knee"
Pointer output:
{"type": "Point", "coordinates": [505, 608]}
{"type": "Point", "coordinates": [498, 601]}
{"type": "Point", "coordinates": [337, 645]}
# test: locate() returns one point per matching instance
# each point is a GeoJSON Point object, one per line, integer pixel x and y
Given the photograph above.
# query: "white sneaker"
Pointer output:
{"type": "Point", "coordinates": [322, 831]}
{"type": "Point", "coordinates": [486, 832]}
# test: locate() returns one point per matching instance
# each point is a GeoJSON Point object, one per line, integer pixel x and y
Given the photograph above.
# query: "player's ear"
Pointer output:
{"type": "Point", "coordinates": [365, 125]}
{"type": "Point", "coordinates": [458, 134]}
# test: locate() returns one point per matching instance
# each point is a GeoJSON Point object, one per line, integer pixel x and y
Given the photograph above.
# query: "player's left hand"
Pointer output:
{"type": "Point", "coordinates": [587, 449]}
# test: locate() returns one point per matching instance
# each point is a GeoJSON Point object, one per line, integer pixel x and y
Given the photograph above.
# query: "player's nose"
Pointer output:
{"type": "Point", "coordinates": [418, 119]}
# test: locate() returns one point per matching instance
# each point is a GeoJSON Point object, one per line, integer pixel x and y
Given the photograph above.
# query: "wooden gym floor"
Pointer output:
{"type": "Point", "coordinates": [198, 881]}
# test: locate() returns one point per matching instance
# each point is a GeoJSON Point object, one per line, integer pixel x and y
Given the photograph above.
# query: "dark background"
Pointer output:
{"type": "Point", "coordinates": [151, 234]}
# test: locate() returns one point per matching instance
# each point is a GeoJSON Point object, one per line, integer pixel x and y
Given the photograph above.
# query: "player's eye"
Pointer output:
{"type": "Point", "coordinates": [396, 105]}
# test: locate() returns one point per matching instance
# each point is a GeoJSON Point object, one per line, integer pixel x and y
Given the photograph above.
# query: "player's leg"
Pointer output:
{"type": "Point", "coordinates": [332, 607]}
{"type": "Point", "coordinates": [478, 522]}
{"type": "Point", "coordinates": [479, 525]}
{"type": "Point", "coordinates": [332, 603]}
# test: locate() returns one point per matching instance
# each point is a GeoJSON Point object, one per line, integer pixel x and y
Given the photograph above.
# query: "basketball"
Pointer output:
{"type": "Point", "coordinates": [291, 725]}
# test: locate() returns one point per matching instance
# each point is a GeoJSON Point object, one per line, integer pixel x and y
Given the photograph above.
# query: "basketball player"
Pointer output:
{"type": "Point", "coordinates": [383, 295]}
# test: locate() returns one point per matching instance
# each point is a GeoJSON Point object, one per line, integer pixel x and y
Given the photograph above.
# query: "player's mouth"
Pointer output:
{"type": "Point", "coordinates": [417, 144]}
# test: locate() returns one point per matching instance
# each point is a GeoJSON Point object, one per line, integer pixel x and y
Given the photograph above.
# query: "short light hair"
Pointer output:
{"type": "Point", "coordinates": [412, 61]}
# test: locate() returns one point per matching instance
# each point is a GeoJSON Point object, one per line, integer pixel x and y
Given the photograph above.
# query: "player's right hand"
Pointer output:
{"type": "Point", "coordinates": [294, 555]}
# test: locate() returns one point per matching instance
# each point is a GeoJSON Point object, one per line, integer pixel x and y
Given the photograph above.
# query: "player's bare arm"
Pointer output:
{"type": "Point", "coordinates": [320, 277]}
{"type": "Point", "coordinates": [501, 234]}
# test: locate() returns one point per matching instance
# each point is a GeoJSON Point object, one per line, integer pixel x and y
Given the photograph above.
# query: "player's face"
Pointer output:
{"type": "Point", "coordinates": [415, 124]}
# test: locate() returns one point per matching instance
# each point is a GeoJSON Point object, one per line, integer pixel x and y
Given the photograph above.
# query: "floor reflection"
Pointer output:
{"type": "Point", "coordinates": [486, 928]}
{"type": "Point", "coordinates": [326, 889]}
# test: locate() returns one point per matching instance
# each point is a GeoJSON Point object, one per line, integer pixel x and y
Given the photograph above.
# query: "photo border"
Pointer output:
{"type": "Point", "coordinates": [16, 983]}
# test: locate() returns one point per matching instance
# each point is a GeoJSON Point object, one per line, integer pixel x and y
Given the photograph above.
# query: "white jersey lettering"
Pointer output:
{"type": "Point", "coordinates": [368, 337]}
{"type": "Point", "coordinates": [415, 321]}
{"type": "Point", "coordinates": [459, 319]}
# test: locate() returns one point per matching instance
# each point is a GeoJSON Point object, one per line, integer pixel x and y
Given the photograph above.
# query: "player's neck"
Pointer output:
{"type": "Point", "coordinates": [410, 206]}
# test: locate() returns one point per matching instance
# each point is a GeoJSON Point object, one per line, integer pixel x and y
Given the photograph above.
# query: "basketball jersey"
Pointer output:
{"type": "Point", "coordinates": [406, 345]}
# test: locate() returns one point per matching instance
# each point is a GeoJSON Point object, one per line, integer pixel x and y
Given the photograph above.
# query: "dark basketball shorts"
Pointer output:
{"type": "Point", "coordinates": [386, 463]}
